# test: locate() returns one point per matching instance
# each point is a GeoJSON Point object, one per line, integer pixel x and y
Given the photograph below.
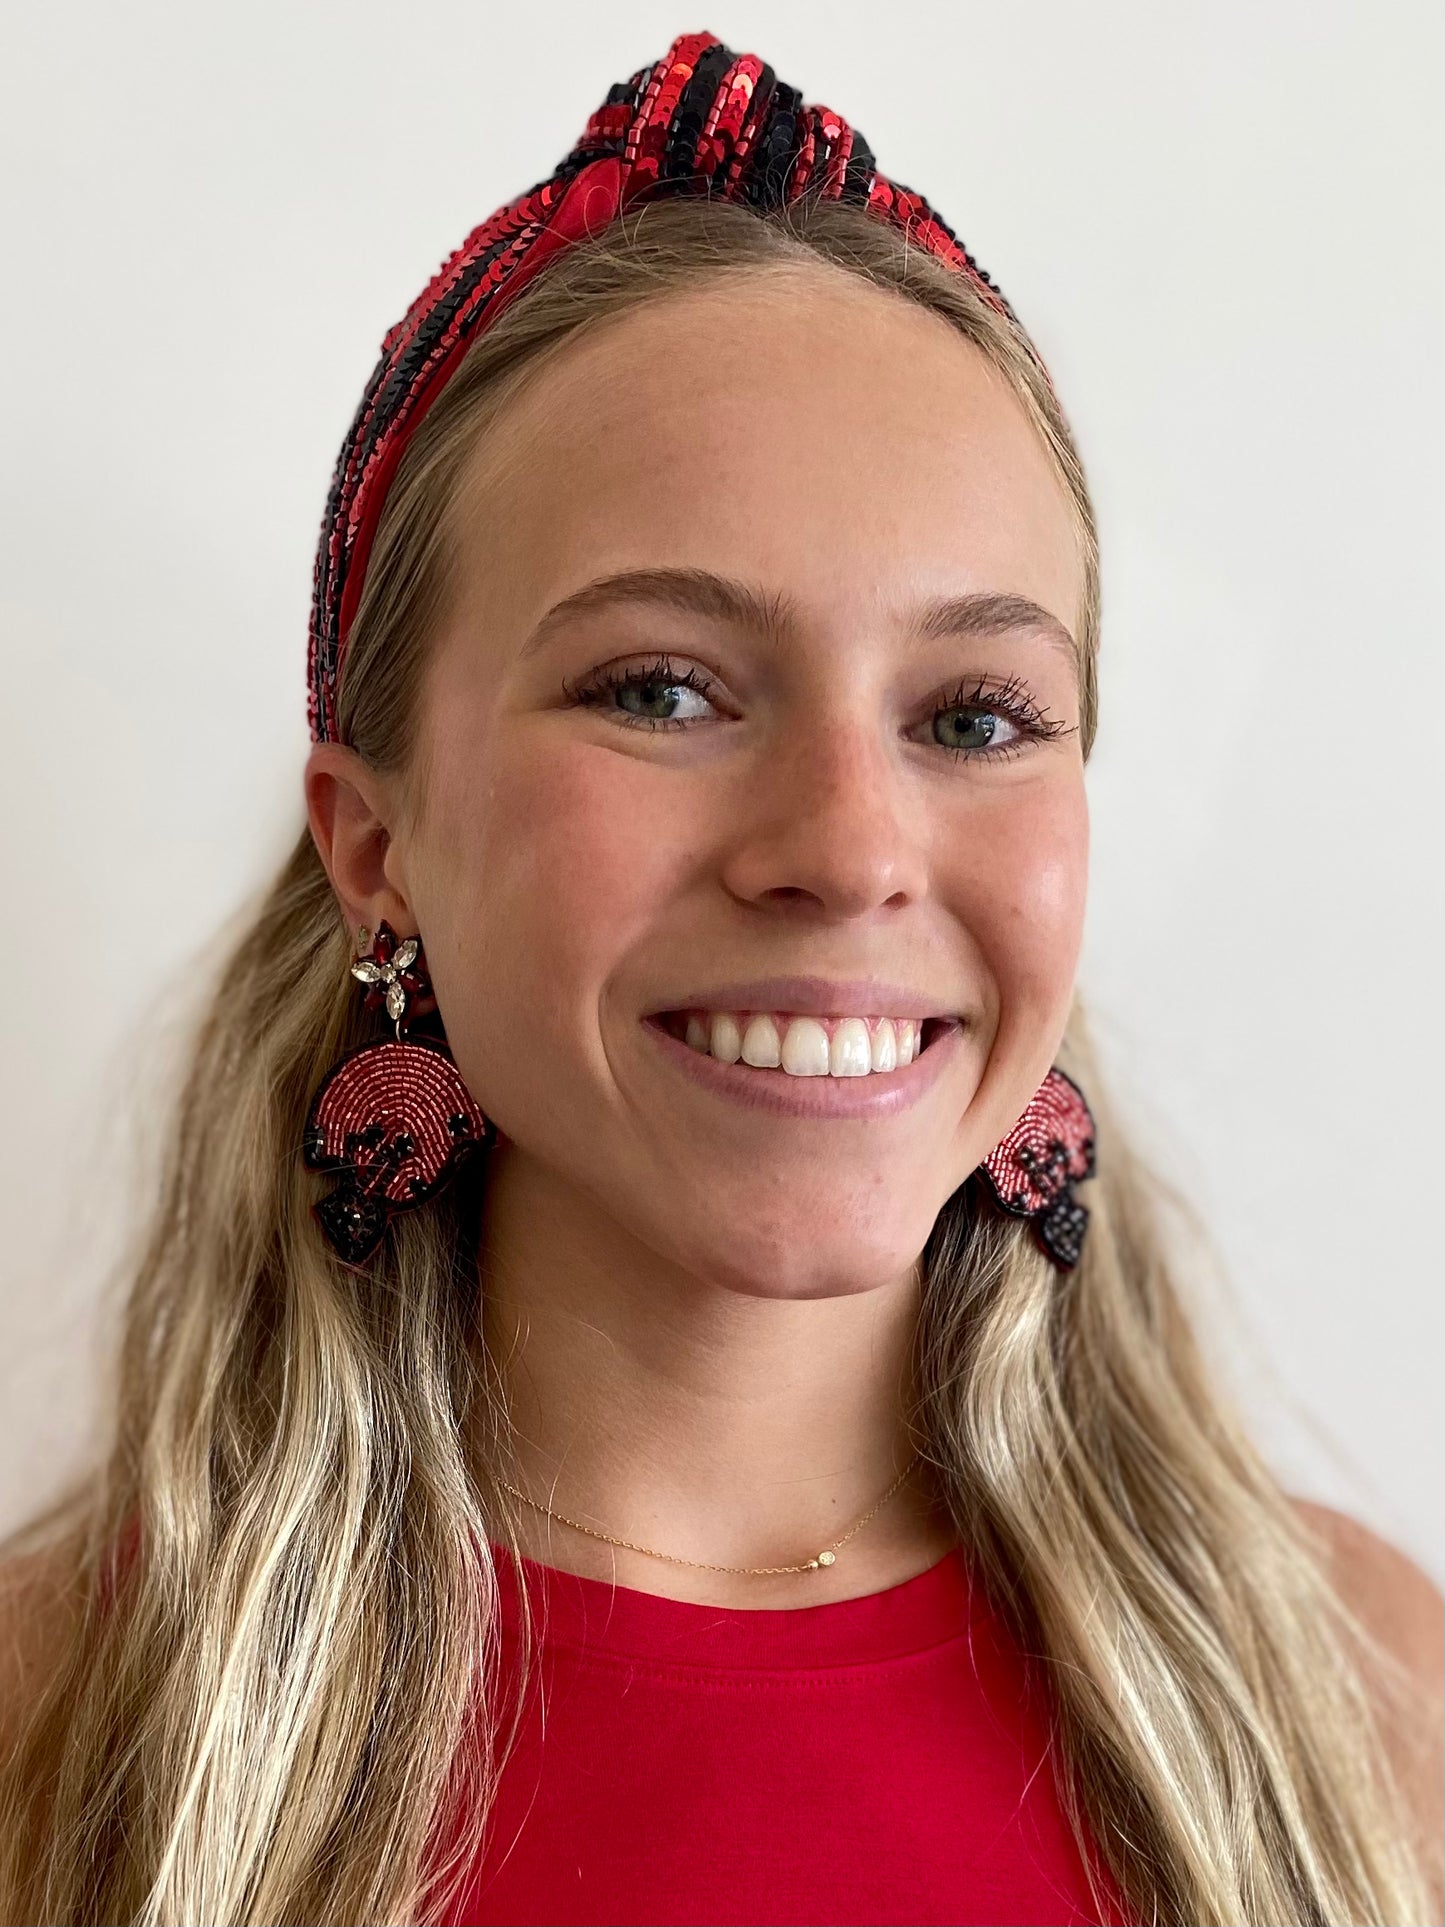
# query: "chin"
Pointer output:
{"type": "Point", "coordinates": [795, 1263]}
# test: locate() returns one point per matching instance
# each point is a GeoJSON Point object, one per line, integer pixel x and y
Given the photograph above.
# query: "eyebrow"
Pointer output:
{"type": "Point", "coordinates": [699, 592]}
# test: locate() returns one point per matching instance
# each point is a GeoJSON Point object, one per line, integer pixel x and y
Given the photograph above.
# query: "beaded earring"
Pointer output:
{"type": "Point", "coordinates": [1030, 1171]}
{"type": "Point", "coordinates": [392, 1119]}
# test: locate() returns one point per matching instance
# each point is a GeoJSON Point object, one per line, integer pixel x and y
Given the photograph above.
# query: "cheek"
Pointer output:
{"type": "Point", "coordinates": [540, 883]}
{"type": "Point", "coordinates": [574, 843]}
{"type": "Point", "coordinates": [1018, 884]}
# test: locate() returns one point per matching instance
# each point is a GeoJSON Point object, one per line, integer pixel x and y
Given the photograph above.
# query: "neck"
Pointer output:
{"type": "Point", "coordinates": [692, 1419]}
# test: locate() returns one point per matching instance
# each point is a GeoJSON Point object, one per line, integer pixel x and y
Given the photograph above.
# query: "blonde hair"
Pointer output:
{"type": "Point", "coordinates": [269, 1716]}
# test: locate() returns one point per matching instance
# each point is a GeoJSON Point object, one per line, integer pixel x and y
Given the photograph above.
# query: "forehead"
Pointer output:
{"type": "Point", "coordinates": [798, 430]}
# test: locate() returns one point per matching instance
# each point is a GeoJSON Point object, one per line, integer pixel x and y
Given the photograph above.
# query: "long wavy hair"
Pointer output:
{"type": "Point", "coordinates": [275, 1713]}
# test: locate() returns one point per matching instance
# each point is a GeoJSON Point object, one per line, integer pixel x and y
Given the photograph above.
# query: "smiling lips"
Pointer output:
{"type": "Point", "coordinates": [803, 1046]}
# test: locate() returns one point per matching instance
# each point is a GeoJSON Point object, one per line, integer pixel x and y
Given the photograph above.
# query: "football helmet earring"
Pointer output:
{"type": "Point", "coordinates": [393, 1119]}
{"type": "Point", "coordinates": [1030, 1172]}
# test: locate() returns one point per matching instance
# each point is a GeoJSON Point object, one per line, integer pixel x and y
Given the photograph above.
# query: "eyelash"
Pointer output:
{"type": "Point", "coordinates": [1010, 699]}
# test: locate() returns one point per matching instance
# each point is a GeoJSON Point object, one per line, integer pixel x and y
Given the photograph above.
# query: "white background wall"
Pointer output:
{"type": "Point", "coordinates": [1222, 226]}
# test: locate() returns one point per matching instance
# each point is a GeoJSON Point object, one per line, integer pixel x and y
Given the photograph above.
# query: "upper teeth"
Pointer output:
{"type": "Point", "coordinates": [806, 1046]}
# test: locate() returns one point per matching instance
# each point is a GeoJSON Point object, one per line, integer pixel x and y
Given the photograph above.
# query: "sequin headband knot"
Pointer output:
{"type": "Point", "coordinates": [702, 121]}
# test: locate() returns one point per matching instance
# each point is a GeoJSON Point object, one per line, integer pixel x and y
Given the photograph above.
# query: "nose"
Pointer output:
{"type": "Point", "coordinates": [830, 820]}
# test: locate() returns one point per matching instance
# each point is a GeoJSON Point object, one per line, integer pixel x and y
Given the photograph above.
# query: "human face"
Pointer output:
{"type": "Point", "coordinates": [844, 463]}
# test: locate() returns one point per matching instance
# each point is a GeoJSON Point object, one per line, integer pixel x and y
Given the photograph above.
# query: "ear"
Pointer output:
{"type": "Point", "coordinates": [352, 810]}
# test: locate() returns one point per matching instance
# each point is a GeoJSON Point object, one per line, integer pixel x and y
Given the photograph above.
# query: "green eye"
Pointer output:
{"type": "Point", "coordinates": [965, 728]}
{"type": "Point", "coordinates": [652, 699]}
{"type": "Point", "coordinates": [644, 698]}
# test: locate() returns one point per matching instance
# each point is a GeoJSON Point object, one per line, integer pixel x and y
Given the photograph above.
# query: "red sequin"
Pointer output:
{"type": "Point", "coordinates": [649, 137]}
{"type": "Point", "coordinates": [840, 142]}
{"type": "Point", "coordinates": [803, 165]}
{"type": "Point", "coordinates": [735, 96]}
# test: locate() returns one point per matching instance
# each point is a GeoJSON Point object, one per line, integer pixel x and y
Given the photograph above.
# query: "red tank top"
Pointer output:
{"type": "Point", "coordinates": [862, 1762]}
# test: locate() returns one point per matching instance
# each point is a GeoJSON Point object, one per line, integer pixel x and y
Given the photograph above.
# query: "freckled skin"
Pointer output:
{"type": "Point", "coordinates": [569, 874]}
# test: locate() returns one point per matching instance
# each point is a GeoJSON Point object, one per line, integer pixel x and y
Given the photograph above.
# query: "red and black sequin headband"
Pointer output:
{"type": "Point", "coordinates": [701, 121]}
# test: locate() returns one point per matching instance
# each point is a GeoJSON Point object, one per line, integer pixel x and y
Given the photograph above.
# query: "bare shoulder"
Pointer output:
{"type": "Point", "coordinates": [1401, 1606]}
{"type": "Point", "coordinates": [1393, 1597]}
{"type": "Point", "coordinates": [40, 1610]}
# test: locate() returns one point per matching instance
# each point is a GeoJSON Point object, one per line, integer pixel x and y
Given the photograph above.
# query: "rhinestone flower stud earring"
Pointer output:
{"type": "Point", "coordinates": [391, 973]}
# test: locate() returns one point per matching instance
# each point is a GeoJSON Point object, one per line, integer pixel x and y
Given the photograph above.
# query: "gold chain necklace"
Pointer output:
{"type": "Point", "coordinates": [824, 1558]}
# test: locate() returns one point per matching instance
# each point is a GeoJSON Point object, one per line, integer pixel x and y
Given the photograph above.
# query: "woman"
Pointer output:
{"type": "Point", "coordinates": [656, 1388]}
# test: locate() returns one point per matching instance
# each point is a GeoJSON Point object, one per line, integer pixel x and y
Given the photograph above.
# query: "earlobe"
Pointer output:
{"type": "Point", "coordinates": [349, 811]}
